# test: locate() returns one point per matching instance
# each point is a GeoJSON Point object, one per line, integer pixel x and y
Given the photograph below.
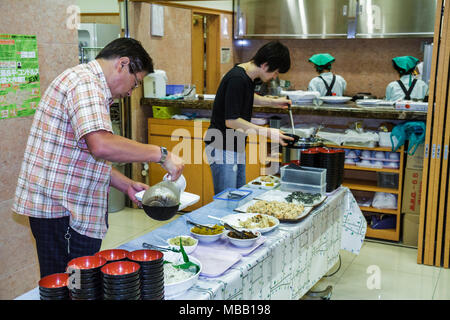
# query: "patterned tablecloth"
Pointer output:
{"type": "Point", "coordinates": [288, 264]}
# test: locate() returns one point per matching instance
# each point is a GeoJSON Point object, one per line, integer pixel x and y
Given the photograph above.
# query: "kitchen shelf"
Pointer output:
{"type": "Point", "coordinates": [385, 234]}
{"type": "Point", "coordinates": [354, 167]}
{"type": "Point", "coordinates": [367, 185]}
{"type": "Point", "coordinates": [372, 209]}
{"type": "Point", "coordinates": [364, 184]}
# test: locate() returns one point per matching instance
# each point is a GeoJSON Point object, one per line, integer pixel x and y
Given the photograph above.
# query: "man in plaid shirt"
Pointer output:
{"type": "Point", "coordinates": [66, 172]}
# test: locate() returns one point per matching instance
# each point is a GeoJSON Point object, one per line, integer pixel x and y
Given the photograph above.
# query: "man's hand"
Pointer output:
{"type": "Point", "coordinates": [282, 102]}
{"type": "Point", "coordinates": [174, 165]}
{"type": "Point", "coordinates": [133, 188]}
{"type": "Point", "coordinates": [278, 135]}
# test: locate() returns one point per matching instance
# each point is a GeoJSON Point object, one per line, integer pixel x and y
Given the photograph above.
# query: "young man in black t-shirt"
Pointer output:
{"type": "Point", "coordinates": [232, 111]}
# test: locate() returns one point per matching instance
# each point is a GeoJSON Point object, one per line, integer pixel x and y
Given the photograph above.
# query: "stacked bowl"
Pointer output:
{"type": "Point", "coordinates": [85, 282]}
{"type": "Point", "coordinates": [330, 160]}
{"type": "Point", "coordinates": [152, 272]}
{"type": "Point", "coordinates": [121, 281]}
{"type": "Point", "coordinates": [54, 287]}
{"type": "Point", "coordinates": [112, 255]}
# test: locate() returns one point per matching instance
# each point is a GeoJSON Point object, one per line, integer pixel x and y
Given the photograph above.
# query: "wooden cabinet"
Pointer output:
{"type": "Point", "coordinates": [185, 139]}
{"type": "Point", "coordinates": [365, 179]}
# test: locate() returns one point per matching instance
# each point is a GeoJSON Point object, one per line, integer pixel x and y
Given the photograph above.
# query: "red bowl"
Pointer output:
{"type": "Point", "coordinates": [120, 268]}
{"type": "Point", "coordinates": [56, 280]}
{"type": "Point", "coordinates": [87, 262]}
{"type": "Point", "coordinates": [112, 254]}
{"type": "Point", "coordinates": [145, 255]}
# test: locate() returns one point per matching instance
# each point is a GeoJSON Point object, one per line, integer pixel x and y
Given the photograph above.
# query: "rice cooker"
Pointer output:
{"type": "Point", "coordinates": [293, 151]}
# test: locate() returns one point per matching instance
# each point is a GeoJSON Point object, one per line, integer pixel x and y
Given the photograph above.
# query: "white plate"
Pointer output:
{"type": "Point", "coordinates": [368, 101]}
{"type": "Point", "coordinates": [278, 195]}
{"type": "Point", "coordinates": [334, 99]}
{"type": "Point", "coordinates": [264, 185]}
{"type": "Point", "coordinates": [234, 219]}
{"type": "Point", "coordinates": [214, 261]}
{"type": "Point", "coordinates": [186, 199]}
{"type": "Point", "coordinates": [306, 211]}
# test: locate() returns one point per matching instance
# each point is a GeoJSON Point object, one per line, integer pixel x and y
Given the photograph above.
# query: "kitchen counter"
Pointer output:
{"type": "Point", "coordinates": [349, 109]}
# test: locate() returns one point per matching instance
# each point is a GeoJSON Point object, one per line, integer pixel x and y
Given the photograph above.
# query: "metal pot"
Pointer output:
{"type": "Point", "coordinates": [293, 152]}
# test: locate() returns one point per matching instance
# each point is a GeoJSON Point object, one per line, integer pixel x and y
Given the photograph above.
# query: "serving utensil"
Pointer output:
{"type": "Point", "coordinates": [199, 225]}
{"type": "Point", "coordinates": [186, 265]}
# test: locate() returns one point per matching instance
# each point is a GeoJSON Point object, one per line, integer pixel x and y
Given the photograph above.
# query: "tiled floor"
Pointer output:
{"type": "Point", "coordinates": [380, 271]}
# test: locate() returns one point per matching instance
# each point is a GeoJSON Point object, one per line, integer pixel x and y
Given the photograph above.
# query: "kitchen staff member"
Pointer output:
{"type": "Point", "coordinates": [226, 136]}
{"type": "Point", "coordinates": [408, 87]}
{"type": "Point", "coordinates": [327, 83]}
{"type": "Point", "coordinates": [66, 173]}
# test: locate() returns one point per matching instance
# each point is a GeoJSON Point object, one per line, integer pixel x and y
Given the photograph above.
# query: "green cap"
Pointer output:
{"type": "Point", "coordinates": [321, 59]}
{"type": "Point", "coordinates": [405, 62]}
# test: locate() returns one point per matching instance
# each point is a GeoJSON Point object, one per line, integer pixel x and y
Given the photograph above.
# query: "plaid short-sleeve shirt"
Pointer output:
{"type": "Point", "coordinates": [59, 176]}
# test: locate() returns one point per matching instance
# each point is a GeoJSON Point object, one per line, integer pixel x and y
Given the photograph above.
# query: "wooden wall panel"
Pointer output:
{"type": "Point", "coordinates": [434, 225]}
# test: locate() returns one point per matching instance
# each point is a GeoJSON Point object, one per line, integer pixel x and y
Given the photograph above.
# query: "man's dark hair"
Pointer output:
{"type": "Point", "coordinates": [275, 54]}
{"type": "Point", "coordinates": [131, 48]}
{"type": "Point", "coordinates": [324, 67]}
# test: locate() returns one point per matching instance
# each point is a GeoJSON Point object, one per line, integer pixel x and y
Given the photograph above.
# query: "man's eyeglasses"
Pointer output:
{"type": "Point", "coordinates": [136, 81]}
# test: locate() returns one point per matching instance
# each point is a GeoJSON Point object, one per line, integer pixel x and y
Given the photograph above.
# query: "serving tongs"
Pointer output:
{"type": "Point", "coordinates": [199, 225]}
{"type": "Point", "coordinates": [228, 227]}
{"type": "Point", "coordinates": [186, 265]}
{"type": "Point", "coordinates": [238, 232]}
{"type": "Point", "coordinates": [153, 247]}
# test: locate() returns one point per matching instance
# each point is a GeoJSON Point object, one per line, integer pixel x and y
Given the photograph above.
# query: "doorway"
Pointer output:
{"type": "Point", "coordinates": [205, 52]}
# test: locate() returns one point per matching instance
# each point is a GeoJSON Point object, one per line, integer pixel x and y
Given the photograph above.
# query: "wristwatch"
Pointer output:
{"type": "Point", "coordinates": [163, 155]}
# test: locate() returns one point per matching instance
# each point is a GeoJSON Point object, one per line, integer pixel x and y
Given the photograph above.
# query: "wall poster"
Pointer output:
{"type": "Point", "coordinates": [19, 76]}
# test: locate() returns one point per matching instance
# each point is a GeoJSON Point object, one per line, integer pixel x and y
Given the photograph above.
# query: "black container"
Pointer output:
{"type": "Point", "coordinates": [310, 158]}
{"type": "Point", "coordinates": [161, 213]}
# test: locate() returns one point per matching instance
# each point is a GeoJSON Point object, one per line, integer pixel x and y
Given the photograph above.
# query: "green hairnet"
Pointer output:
{"type": "Point", "coordinates": [321, 59]}
{"type": "Point", "coordinates": [406, 63]}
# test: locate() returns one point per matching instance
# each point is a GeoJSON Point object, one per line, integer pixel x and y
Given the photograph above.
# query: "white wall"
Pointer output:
{"type": "Point", "coordinates": [226, 5]}
{"type": "Point", "coordinates": [89, 6]}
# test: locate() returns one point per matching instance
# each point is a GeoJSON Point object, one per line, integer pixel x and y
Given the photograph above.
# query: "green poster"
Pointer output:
{"type": "Point", "coordinates": [19, 75]}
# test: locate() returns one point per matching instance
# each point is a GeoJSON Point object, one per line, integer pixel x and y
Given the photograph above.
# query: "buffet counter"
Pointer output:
{"type": "Point", "coordinates": [349, 109]}
{"type": "Point", "coordinates": [290, 261]}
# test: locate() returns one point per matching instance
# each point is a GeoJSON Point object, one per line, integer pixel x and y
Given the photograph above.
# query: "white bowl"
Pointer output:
{"type": "Point", "coordinates": [380, 155]}
{"type": "Point", "coordinates": [242, 243]}
{"type": "Point", "coordinates": [366, 154]}
{"type": "Point", "coordinates": [394, 156]}
{"type": "Point", "coordinates": [206, 238]}
{"type": "Point", "coordinates": [176, 289]}
{"type": "Point", "coordinates": [187, 249]}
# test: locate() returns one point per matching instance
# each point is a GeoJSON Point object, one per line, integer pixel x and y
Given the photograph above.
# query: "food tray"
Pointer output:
{"type": "Point", "coordinates": [304, 175]}
{"type": "Point", "coordinates": [214, 261]}
{"type": "Point", "coordinates": [231, 198]}
{"type": "Point", "coordinates": [259, 184]}
{"type": "Point", "coordinates": [279, 195]}
{"type": "Point", "coordinates": [304, 214]}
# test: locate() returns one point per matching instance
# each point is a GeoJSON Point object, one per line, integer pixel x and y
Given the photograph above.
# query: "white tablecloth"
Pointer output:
{"type": "Point", "coordinates": [289, 263]}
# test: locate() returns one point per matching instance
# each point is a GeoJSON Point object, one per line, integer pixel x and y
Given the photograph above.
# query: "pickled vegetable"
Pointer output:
{"type": "Point", "coordinates": [185, 241]}
{"type": "Point", "coordinates": [216, 229]}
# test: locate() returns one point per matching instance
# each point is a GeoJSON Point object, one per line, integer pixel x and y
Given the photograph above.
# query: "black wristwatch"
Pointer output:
{"type": "Point", "coordinates": [163, 155]}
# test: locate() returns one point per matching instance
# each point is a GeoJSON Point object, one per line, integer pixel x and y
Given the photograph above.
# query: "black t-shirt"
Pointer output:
{"type": "Point", "coordinates": [234, 99]}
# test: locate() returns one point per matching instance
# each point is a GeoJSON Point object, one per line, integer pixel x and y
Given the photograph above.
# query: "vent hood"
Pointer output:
{"type": "Point", "coordinates": [323, 19]}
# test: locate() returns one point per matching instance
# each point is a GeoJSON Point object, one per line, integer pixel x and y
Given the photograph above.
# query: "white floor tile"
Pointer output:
{"type": "Point", "coordinates": [363, 282]}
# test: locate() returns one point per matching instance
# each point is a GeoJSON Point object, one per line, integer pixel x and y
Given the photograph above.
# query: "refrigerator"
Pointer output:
{"type": "Point", "coordinates": [92, 37]}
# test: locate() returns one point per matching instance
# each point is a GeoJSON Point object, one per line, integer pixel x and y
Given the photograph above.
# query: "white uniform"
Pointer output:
{"type": "Point", "coordinates": [394, 92]}
{"type": "Point", "coordinates": [316, 84]}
